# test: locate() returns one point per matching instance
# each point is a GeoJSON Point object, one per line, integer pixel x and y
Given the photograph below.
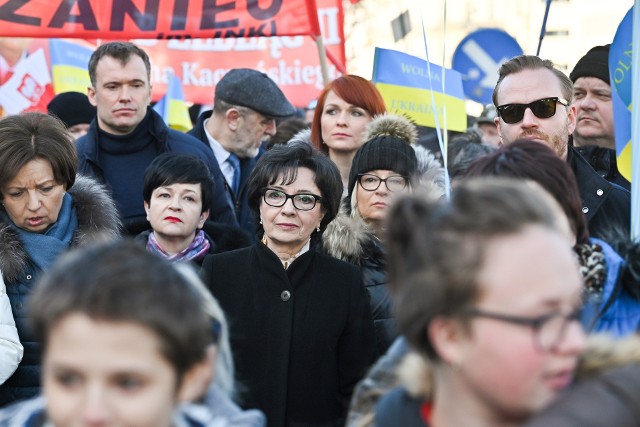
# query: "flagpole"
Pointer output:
{"type": "Point", "coordinates": [322, 54]}
{"type": "Point", "coordinates": [635, 126]}
{"type": "Point", "coordinates": [543, 30]}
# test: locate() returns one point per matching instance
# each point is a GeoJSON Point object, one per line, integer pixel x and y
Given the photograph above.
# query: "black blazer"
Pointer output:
{"type": "Point", "coordinates": [301, 338]}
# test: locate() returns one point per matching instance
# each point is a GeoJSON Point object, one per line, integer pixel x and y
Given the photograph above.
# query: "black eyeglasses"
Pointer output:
{"type": "Point", "coordinates": [371, 182]}
{"type": "Point", "coordinates": [548, 330]}
{"type": "Point", "coordinates": [301, 201]}
{"type": "Point", "coordinates": [542, 108]}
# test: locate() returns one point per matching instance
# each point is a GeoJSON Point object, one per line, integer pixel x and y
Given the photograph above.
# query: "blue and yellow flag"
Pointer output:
{"type": "Point", "coordinates": [172, 107]}
{"type": "Point", "coordinates": [69, 66]}
{"type": "Point", "coordinates": [411, 86]}
{"type": "Point", "coordinates": [620, 73]}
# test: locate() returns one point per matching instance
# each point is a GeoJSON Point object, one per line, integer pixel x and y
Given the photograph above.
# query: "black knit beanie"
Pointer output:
{"type": "Point", "coordinates": [594, 64]}
{"type": "Point", "coordinates": [73, 108]}
{"type": "Point", "coordinates": [384, 152]}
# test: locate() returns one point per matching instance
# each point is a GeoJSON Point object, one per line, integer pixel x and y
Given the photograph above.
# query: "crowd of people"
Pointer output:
{"type": "Point", "coordinates": [267, 271]}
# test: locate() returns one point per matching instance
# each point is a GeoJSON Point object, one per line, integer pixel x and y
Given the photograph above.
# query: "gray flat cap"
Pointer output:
{"type": "Point", "coordinates": [255, 90]}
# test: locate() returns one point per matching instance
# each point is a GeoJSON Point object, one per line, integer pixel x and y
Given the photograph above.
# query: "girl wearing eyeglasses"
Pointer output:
{"type": "Point", "coordinates": [300, 323]}
{"type": "Point", "coordinates": [611, 296]}
{"type": "Point", "coordinates": [488, 291]}
{"type": "Point", "coordinates": [385, 167]}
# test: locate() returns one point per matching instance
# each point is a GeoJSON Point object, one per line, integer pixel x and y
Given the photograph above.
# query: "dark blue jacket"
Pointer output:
{"type": "Point", "coordinates": [241, 204]}
{"type": "Point", "coordinates": [166, 140]}
{"type": "Point", "coordinates": [97, 218]}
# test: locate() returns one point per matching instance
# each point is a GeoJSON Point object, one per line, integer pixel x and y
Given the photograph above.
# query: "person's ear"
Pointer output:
{"type": "Point", "coordinates": [203, 217]}
{"type": "Point", "coordinates": [233, 118]}
{"type": "Point", "coordinates": [196, 381]}
{"type": "Point", "coordinates": [146, 209]}
{"type": "Point", "coordinates": [571, 118]}
{"type": "Point", "coordinates": [448, 338]}
{"type": "Point", "coordinates": [91, 94]}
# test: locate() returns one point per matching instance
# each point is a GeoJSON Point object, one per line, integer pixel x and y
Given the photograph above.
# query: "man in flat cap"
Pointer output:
{"type": "Point", "coordinates": [245, 107]}
{"type": "Point", "coordinates": [594, 136]}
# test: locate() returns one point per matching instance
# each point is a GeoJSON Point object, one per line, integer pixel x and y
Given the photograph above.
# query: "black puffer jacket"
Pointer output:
{"type": "Point", "coordinates": [348, 239]}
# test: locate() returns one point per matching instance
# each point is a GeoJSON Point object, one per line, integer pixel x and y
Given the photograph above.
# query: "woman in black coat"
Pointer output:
{"type": "Point", "coordinates": [301, 327]}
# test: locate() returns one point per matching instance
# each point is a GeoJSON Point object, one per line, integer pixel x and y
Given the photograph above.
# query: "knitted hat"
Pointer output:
{"type": "Point", "coordinates": [594, 64]}
{"type": "Point", "coordinates": [73, 108]}
{"type": "Point", "coordinates": [388, 147]}
{"type": "Point", "coordinates": [252, 89]}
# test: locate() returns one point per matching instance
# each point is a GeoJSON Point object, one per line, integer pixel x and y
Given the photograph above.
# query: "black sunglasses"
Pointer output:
{"type": "Point", "coordinates": [542, 108]}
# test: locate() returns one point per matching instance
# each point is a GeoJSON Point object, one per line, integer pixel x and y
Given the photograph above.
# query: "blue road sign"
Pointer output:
{"type": "Point", "coordinates": [478, 57]}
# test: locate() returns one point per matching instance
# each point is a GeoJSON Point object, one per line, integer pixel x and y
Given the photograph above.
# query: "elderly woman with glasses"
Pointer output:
{"type": "Point", "coordinates": [385, 167]}
{"type": "Point", "coordinates": [489, 292]}
{"type": "Point", "coordinates": [300, 322]}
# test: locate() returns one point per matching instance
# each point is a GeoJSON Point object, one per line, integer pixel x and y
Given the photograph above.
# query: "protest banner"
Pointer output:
{"type": "Point", "coordinates": [408, 87]}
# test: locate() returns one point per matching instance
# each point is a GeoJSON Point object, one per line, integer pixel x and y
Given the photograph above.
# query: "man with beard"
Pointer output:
{"type": "Point", "coordinates": [245, 107]}
{"type": "Point", "coordinates": [533, 100]}
{"type": "Point", "coordinates": [594, 136]}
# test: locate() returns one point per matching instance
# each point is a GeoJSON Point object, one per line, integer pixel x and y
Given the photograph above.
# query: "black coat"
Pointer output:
{"type": "Point", "coordinates": [301, 338]}
{"type": "Point", "coordinates": [348, 239]}
{"type": "Point", "coordinates": [606, 206]}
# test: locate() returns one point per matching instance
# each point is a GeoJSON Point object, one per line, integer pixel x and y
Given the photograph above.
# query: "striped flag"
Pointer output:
{"type": "Point", "coordinates": [69, 66]}
{"type": "Point", "coordinates": [172, 107]}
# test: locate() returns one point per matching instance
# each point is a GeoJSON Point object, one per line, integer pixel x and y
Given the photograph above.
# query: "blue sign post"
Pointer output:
{"type": "Point", "coordinates": [478, 57]}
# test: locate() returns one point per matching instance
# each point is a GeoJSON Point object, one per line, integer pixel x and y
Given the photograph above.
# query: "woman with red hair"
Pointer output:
{"type": "Point", "coordinates": [345, 108]}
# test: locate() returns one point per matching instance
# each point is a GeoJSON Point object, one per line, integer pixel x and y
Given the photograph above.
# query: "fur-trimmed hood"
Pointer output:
{"type": "Point", "coordinates": [97, 220]}
{"type": "Point", "coordinates": [601, 354]}
{"type": "Point", "coordinates": [347, 237]}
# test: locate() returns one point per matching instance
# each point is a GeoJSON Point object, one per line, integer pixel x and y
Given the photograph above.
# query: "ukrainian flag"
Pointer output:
{"type": "Point", "coordinates": [407, 84]}
{"type": "Point", "coordinates": [172, 107]}
{"type": "Point", "coordinates": [69, 66]}
{"type": "Point", "coordinates": [620, 72]}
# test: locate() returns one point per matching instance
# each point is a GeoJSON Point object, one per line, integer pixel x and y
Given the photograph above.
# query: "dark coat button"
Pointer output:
{"type": "Point", "coordinates": [285, 296]}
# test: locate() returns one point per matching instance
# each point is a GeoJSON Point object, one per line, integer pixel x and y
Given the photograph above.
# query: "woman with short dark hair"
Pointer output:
{"type": "Point", "coordinates": [46, 209]}
{"type": "Point", "coordinates": [177, 193]}
{"type": "Point", "coordinates": [300, 323]}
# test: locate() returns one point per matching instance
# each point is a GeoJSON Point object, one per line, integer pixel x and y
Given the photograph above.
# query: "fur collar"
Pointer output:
{"type": "Point", "coordinates": [601, 353]}
{"type": "Point", "coordinates": [347, 237]}
{"type": "Point", "coordinates": [97, 220]}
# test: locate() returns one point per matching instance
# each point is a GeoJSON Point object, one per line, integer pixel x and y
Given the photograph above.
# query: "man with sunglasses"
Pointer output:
{"type": "Point", "coordinates": [533, 100]}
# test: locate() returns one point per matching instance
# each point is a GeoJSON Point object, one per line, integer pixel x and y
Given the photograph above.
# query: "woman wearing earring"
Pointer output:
{"type": "Point", "coordinates": [46, 209]}
{"type": "Point", "coordinates": [345, 108]}
{"type": "Point", "coordinates": [300, 323]}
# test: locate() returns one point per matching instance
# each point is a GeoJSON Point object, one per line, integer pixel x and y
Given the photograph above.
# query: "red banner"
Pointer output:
{"type": "Point", "coordinates": [292, 62]}
{"type": "Point", "coordinates": [157, 19]}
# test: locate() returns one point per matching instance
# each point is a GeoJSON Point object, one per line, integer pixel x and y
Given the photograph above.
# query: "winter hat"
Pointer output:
{"type": "Point", "coordinates": [253, 89]}
{"type": "Point", "coordinates": [389, 138]}
{"type": "Point", "coordinates": [73, 108]}
{"type": "Point", "coordinates": [594, 64]}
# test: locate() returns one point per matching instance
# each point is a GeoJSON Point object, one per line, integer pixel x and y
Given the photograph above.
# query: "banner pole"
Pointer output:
{"type": "Point", "coordinates": [322, 54]}
{"type": "Point", "coordinates": [635, 125]}
{"type": "Point", "coordinates": [543, 30]}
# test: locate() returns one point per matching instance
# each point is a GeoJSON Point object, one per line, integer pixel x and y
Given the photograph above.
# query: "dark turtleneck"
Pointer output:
{"type": "Point", "coordinates": [124, 159]}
